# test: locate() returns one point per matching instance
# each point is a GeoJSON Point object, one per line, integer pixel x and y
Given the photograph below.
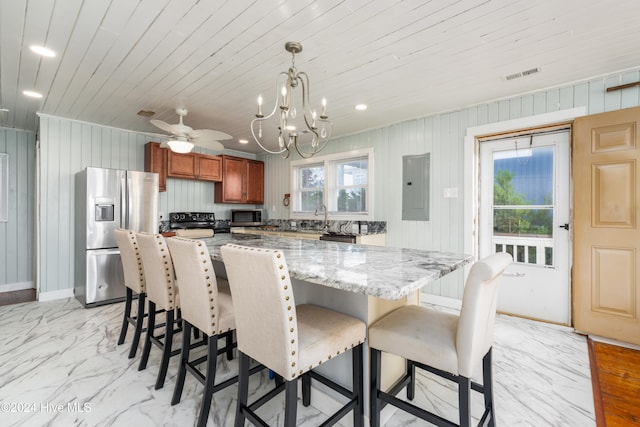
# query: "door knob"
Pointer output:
{"type": "Point", "coordinates": [565, 226]}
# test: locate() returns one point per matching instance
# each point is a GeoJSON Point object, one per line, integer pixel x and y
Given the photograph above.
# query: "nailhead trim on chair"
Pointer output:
{"type": "Point", "coordinates": [141, 283]}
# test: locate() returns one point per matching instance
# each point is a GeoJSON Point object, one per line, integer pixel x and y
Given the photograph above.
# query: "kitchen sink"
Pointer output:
{"type": "Point", "coordinates": [337, 237]}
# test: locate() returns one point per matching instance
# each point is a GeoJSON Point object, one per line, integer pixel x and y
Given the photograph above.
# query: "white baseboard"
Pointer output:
{"type": "Point", "coordinates": [17, 286]}
{"type": "Point", "coordinates": [53, 295]}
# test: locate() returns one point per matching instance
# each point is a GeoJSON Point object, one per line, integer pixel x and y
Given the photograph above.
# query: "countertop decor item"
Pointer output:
{"type": "Point", "coordinates": [305, 131]}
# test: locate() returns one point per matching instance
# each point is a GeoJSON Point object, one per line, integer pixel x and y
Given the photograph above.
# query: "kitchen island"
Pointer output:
{"type": "Point", "coordinates": [363, 281]}
{"type": "Point", "coordinates": [380, 272]}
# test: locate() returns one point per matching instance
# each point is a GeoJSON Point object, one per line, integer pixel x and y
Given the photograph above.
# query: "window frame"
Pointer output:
{"type": "Point", "coordinates": [330, 185]}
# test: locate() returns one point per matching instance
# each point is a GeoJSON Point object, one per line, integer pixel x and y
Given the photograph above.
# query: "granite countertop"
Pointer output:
{"type": "Point", "coordinates": [383, 272]}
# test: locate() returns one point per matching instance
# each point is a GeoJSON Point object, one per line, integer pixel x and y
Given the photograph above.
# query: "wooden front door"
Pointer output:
{"type": "Point", "coordinates": [606, 177]}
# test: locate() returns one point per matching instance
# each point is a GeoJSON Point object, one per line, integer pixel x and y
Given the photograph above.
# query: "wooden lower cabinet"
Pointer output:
{"type": "Point", "coordinates": [155, 160]}
{"type": "Point", "coordinates": [242, 181]}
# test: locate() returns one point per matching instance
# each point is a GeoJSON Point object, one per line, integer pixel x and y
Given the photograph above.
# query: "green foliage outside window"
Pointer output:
{"type": "Point", "coordinates": [513, 221]}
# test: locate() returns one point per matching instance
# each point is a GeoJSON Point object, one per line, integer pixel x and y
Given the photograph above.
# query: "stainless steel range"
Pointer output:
{"type": "Point", "coordinates": [195, 221]}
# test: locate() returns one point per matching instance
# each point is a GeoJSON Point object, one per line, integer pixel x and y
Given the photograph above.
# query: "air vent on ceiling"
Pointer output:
{"type": "Point", "coordinates": [523, 73]}
{"type": "Point", "coordinates": [146, 113]}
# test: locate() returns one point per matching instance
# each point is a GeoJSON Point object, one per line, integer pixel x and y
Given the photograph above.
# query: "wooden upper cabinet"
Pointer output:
{"type": "Point", "coordinates": [182, 165]}
{"type": "Point", "coordinates": [209, 167]}
{"type": "Point", "coordinates": [194, 166]}
{"type": "Point", "coordinates": [255, 182]}
{"type": "Point", "coordinates": [155, 160]}
{"type": "Point", "coordinates": [242, 181]}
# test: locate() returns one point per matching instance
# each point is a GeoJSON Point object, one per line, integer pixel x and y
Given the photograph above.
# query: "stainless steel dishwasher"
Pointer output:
{"type": "Point", "coordinates": [343, 238]}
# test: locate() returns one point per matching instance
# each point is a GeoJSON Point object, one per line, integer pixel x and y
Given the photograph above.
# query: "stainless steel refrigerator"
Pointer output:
{"type": "Point", "coordinates": [107, 199]}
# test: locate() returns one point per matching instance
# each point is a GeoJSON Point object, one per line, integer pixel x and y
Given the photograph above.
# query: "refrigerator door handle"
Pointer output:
{"type": "Point", "coordinates": [124, 211]}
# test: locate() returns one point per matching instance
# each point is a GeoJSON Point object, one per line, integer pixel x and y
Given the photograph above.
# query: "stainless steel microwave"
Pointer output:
{"type": "Point", "coordinates": [246, 217]}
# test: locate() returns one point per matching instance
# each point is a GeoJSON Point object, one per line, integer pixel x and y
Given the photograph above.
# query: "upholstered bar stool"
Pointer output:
{"type": "Point", "coordinates": [448, 345]}
{"type": "Point", "coordinates": [135, 283]}
{"type": "Point", "coordinates": [206, 304]}
{"type": "Point", "coordinates": [162, 293]}
{"type": "Point", "coordinates": [288, 339]}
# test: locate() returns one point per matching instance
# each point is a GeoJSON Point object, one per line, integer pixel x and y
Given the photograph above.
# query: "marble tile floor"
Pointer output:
{"type": "Point", "coordinates": [60, 366]}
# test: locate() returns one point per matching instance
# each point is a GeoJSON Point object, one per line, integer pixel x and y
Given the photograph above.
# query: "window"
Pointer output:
{"type": "Point", "coordinates": [341, 182]}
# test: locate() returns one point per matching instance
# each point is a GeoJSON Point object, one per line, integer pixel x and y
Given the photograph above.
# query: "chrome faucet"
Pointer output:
{"type": "Point", "coordinates": [325, 224]}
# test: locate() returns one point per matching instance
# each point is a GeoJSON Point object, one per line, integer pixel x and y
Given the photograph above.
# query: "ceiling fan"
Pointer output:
{"type": "Point", "coordinates": [186, 137]}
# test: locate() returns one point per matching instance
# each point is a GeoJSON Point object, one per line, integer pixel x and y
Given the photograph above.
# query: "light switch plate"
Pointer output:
{"type": "Point", "coordinates": [451, 193]}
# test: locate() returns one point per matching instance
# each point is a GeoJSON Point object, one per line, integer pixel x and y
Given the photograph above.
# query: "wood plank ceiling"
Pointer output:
{"type": "Point", "coordinates": [403, 59]}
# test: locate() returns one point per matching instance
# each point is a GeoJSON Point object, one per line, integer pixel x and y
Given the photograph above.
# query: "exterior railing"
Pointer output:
{"type": "Point", "coordinates": [526, 249]}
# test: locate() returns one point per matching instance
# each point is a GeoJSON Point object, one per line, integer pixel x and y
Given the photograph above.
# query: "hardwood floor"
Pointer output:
{"type": "Point", "coordinates": [616, 384]}
{"type": "Point", "coordinates": [16, 297]}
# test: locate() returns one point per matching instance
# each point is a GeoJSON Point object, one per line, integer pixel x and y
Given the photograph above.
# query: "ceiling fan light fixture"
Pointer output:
{"type": "Point", "coordinates": [178, 146]}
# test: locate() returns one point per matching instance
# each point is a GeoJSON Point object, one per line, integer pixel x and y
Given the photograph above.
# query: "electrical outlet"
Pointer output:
{"type": "Point", "coordinates": [354, 228]}
{"type": "Point", "coordinates": [293, 224]}
{"type": "Point", "coordinates": [364, 228]}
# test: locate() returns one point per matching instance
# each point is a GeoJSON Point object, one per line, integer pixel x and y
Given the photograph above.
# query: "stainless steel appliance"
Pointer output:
{"type": "Point", "coordinates": [192, 220]}
{"type": "Point", "coordinates": [246, 217]}
{"type": "Point", "coordinates": [107, 199]}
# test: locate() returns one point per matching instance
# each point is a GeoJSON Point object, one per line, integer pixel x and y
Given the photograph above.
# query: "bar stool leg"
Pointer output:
{"type": "Point", "coordinates": [184, 359]}
{"type": "Point", "coordinates": [209, 379]}
{"type": "Point", "coordinates": [139, 324]}
{"type": "Point", "coordinates": [374, 404]}
{"type": "Point", "coordinates": [464, 402]}
{"type": "Point", "coordinates": [411, 387]}
{"type": "Point", "coordinates": [229, 345]}
{"type": "Point", "coordinates": [166, 350]}
{"type": "Point", "coordinates": [291, 403]}
{"type": "Point", "coordinates": [151, 325]}
{"type": "Point", "coordinates": [306, 389]}
{"type": "Point", "coordinates": [243, 388]}
{"type": "Point", "coordinates": [358, 386]}
{"type": "Point", "coordinates": [487, 384]}
{"type": "Point", "coordinates": [127, 315]}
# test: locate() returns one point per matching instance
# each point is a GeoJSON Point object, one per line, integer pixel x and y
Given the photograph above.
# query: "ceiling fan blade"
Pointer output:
{"type": "Point", "coordinates": [208, 144]}
{"type": "Point", "coordinates": [164, 126]}
{"type": "Point", "coordinates": [208, 134]}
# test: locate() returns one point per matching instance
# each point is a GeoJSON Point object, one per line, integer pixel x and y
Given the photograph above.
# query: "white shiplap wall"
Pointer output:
{"type": "Point", "coordinates": [17, 234]}
{"type": "Point", "coordinates": [69, 146]}
{"type": "Point", "coordinates": [442, 135]}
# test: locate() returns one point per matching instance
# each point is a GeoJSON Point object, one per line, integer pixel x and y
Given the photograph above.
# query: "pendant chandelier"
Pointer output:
{"type": "Point", "coordinates": [305, 131]}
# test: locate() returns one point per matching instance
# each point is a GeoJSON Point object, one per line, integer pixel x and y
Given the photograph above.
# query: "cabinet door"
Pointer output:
{"type": "Point", "coordinates": [155, 160]}
{"type": "Point", "coordinates": [233, 187]}
{"type": "Point", "coordinates": [182, 165]}
{"type": "Point", "coordinates": [255, 182]}
{"type": "Point", "coordinates": [210, 168]}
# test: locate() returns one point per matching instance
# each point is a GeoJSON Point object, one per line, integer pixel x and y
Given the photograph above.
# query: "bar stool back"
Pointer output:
{"type": "Point", "coordinates": [446, 344]}
{"type": "Point", "coordinates": [162, 293]}
{"type": "Point", "coordinates": [288, 339]}
{"type": "Point", "coordinates": [134, 281]}
{"type": "Point", "coordinates": [206, 304]}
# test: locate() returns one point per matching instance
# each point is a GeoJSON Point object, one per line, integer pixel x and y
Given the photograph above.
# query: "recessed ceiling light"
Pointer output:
{"type": "Point", "coordinates": [243, 141]}
{"type": "Point", "coordinates": [41, 50]}
{"type": "Point", "coordinates": [32, 94]}
{"type": "Point", "coordinates": [361, 107]}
